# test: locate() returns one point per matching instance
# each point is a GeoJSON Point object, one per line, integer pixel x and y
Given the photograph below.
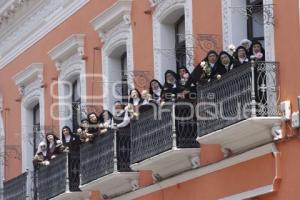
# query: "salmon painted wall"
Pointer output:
{"type": "Point", "coordinates": [229, 181]}
{"type": "Point", "coordinates": [142, 42]}
{"type": "Point", "coordinates": [287, 40]}
{"type": "Point", "coordinates": [207, 20]}
{"type": "Point", "coordinates": [38, 53]}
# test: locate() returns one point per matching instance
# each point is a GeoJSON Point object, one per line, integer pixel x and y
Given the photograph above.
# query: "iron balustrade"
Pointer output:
{"type": "Point", "coordinates": [250, 90]}
{"type": "Point", "coordinates": [16, 189]}
{"type": "Point", "coordinates": [160, 129]}
{"type": "Point", "coordinates": [60, 176]}
{"type": "Point", "coordinates": [107, 154]}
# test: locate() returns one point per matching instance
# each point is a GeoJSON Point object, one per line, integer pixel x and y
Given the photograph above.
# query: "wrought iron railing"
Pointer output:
{"type": "Point", "coordinates": [62, 175]}
{"type": "Point", "coordinates": [107, 154]}
{"type": "Point", "coordinates": [247, 91]}
{"type": "Point", "coordinates": [16, 189]}
{"type": "Point", "coordinates": [160, 129]}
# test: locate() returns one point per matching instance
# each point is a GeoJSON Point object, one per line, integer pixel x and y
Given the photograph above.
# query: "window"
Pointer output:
{"type": "Point", "coordinates": [124, 76]}
{"type": "Point", "coordinates": [114, 27]}
{"type": "Point", "coordinates": [71, 80]}
{"type": "Point", "coordinates": [172, 21]}
{"type": "Point", "coordinates": [76, 105]}
{"type": "Point", "coordinates": [36, 140]}
{"type": "Point", "coordinates": [180, 43]}
{"type": "Point", "coordinates": [255, 22]}
{"type": "Point", "coordinates": [36, 127]}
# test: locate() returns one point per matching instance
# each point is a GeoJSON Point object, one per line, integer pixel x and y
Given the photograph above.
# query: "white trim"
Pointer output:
{"type": "Point", "coordinates": [2, 149]}
{"type": "Point", "coordinates": [161, 10]}
{"type": "Point", "coordinates": [120, 11]}
{"type": "Point", "coordinates": [251, 193]}
{"type": "Point", "coordinates": [231, 17]}
{"type": "Point", "coordinates": [69, 63]}
{"type": "Point", "coordinates": [41, 25]}
{"type": "Point", "coordinates": [30, 83]}
{"type": "Point", "coordinates": [269, 34]}
{"type": "Point", "coordinates": [196, 173]}
{"type": "Point", "coordinates": [29, 74]}
{"type": "Point", "coordinates": [70, 46]}
{"type": "Point", "coordinates": [114, 29]}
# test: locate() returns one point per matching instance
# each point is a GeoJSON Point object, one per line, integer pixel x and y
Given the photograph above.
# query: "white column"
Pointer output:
{"type": "Point", "coordinates": [2, 147]}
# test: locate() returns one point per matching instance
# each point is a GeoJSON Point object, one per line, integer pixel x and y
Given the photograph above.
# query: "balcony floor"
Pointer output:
{"type": "Point", "coordinates": [170, 162]}
{"type": "Point", "coordinates": [243, 135]}
{"type": "Point", "coordinates": [113, 184]}
{"type": "Point", "coordinates": [72, 196]}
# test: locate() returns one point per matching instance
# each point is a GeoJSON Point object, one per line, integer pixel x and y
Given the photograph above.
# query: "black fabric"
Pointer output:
{"type": "Point", "coordinates": [153, 95]}
{"type": "Point", "coordinates": [101, 118]}
{"type": "Point", "coordinates": [237, 62]}
{"type": "Point", "coordinates": [93, 127]}
{"type": "Point", "coordinates": [119, 119]}
{"type": "Point", "coordinates": [262, 50]}
{"type": "Point", "coordinates": [169, 90]}
{"type": "Point", "coordinates": [139, 96]}
{"type": "Point", "coordinates": [230, 66]}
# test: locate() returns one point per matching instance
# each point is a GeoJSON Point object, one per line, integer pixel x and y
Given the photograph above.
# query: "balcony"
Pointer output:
{"type": "Point", "coordinates": [60, 179]}
{"type": "Point", "coordinates": [163, 142]}
{"type": "Point", "coordinates": [239, 111]}
{"type": "Point", "coordinates": [16, 188]}
{"type": "Point", "coordinates": [104, 164]}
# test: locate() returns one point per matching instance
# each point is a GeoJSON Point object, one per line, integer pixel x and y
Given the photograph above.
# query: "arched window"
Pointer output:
{"type": "Point", "coordinates": [36, 126]}
{"type": "Point", "coordinates": [255, 22]}
{"type": "Point", "coordinates": [114, 28]}
{"type": "Point", "coordinates": [172, 22]}
{"type": "Point", "coordinates": [76, 104]}
{"type": "Point", "coordinates": [124, 75]}
{"type": "Point", "coordinates": [180, 42]}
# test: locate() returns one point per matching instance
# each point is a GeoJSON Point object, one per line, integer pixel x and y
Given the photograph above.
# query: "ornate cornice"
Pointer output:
{"type": "Point", "coordinates": [118, 13]}
{"type": "Point", "coordinates": [154, 3]}
{"type": "Point", "coordinates": [73, 45]}
{"type": "Point", "coordinates": [8, 9]}
{"type": "Point", "coordinates": [33, 20]}
{"type": "Point", "coordinates": [29, 75]}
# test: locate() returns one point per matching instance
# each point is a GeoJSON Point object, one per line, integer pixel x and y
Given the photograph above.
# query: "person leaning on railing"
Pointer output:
{"type": "Point", "coordinates": [155, 90]}
{"type": "Point", "coordinates": [83, 131]}
{"type": "Point", "coordinates": [69, 140]}
{"type": "Point", "coordinates": [135, 101]}
{"type": "Point", "coordinates": [121, 117]}
{"type": "Point", "coordinates": [105, 121]}
{"type": "Point", "coordinates": [93, 125]}
{"type": "Point", "coordinates": [54, 145]}
{"type": "Point", "coordinates": [42, 156]}
{"type": "Point", "coordinates": [171, 87]}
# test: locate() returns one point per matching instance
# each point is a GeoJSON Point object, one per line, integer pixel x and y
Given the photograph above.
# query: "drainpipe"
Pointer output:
{"type": "Point", "coordinates": [278, 168]}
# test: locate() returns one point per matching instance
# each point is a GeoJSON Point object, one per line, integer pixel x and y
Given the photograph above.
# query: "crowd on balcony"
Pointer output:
{"type": "Point", "coordinates": [180, 85]}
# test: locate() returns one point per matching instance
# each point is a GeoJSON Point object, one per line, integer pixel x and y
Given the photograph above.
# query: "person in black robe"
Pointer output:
{"type": "Point", "coordinates": [135, 97]}
{"type": "Point", "coordinates": [257, 51]}
{"type": "Point", "coordinates": [207, 69]}
{"type": "Point", "coordinates": [83, 131]}
{"type": "Point", "coordinates": [155, 90]}
{"type": "Point", "coordinates": [105, 121]}
{"type": "Point", "coordinates": [42, 156]}
{"type": "Point", "coordinates": [241, 57]}
{"type": "Point", "coordinates": [93, 124]}
{"type": "Point", "coordinates": [247, 44]}
{"type": "Point", "coordinates": [121, 117]}
{"type": "Point", "coordinates": [135, 101]}
{"type": "Point", "coordinates": [54, 145]}
{"type": "Point", "coordinates": [225, 62]}
{"type": "Point", "coordinates": [171, 88]}
{"type": "Point", "coordinates": [69, 139]}
{"type": "Point", "coordinates": [186, 86]}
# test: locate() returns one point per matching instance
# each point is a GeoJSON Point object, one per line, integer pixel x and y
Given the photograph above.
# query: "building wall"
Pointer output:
{"type": "Point", "coordinates": [207, 19]}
